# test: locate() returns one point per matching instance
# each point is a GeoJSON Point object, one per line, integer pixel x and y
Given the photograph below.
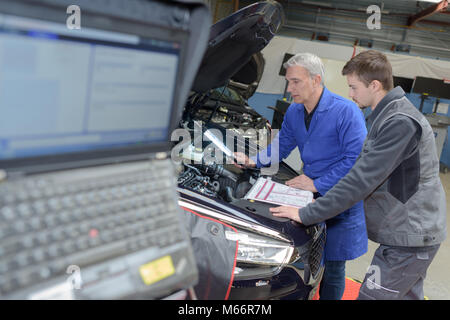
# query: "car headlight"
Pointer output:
{"type": "Point", "coordinates": [253, 248]}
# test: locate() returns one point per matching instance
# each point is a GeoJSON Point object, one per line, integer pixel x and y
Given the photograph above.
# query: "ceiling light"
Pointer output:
{"type": "Point", "coordinates": [434, 1]}
{"type": "Point", "coordinates": [323, 4]}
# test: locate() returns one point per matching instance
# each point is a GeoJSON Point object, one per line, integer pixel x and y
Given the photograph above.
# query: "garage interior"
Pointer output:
{"type": "Point", "coordinates": [409, 28]}
{"type": "Point", "coordinates": [98, 203]}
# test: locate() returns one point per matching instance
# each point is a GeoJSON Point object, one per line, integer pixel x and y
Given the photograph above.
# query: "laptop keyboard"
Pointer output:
{"type": "Point", "coordinates": [46, 226]}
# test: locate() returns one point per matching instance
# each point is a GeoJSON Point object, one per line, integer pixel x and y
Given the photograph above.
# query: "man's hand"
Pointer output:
{"type": "Point", "coordinates": [302, 182]}
{"type": "Point", "coordinates": [243, 161]}
{"type": "Point", "coordinates": [286, 212]}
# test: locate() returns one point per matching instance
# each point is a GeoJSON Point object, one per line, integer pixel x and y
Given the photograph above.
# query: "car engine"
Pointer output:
{"type": "Point", "coordinates": [222, 110]}
{"type": "Point", "coordinates": [218, 181]}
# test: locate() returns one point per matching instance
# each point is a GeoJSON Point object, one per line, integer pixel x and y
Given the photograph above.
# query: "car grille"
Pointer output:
{"type": "Point", "coordinates": [313, 266]}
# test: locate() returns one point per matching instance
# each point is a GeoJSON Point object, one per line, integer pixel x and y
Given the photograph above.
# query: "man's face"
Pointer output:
{"type": "Point", "coordinates": [358, 91]}
{"type": "Point", "coordinates": [300, 85]}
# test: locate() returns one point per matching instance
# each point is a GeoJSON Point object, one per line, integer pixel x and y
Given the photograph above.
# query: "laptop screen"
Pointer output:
{"type": "Point", "coordinates": [64, 91]}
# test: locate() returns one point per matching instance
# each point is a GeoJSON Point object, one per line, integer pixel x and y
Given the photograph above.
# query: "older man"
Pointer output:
{"type": "Point", "coordinates": [329, 131]}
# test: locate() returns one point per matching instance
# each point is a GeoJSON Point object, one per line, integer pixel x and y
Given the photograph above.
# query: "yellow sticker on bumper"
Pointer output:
{"type": "Point", "coordinates": [157, 270]}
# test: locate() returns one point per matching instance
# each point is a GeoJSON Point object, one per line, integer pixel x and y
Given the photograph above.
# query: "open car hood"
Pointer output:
{"type": "Point", "coordinates": [232, 43]}
{"type": "Point", "coordinates": [246, 80]}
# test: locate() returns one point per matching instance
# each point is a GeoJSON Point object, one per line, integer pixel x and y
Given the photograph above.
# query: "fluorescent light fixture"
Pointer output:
{"type": "Point", "coordinates": [433, 1]}
{"type": "Point", "coordinates": [382, 11]}
{"type": "Point", "coordinates": [323, 4]}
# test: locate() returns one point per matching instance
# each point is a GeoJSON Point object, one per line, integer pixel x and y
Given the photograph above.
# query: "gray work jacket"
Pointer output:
{"type": "Point", "coordinates": [397, 174]}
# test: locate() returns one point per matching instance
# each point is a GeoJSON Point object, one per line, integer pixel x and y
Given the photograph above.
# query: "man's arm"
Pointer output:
{"type": "Point", "coordinates": [396, 139]}
{"type": "Point", "coordinates": [351, 133]}
{"type": "Point", "coordinates": [281, 146]}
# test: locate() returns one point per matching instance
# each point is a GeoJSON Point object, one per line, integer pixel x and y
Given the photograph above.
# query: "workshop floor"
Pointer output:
{"type": "Point", "coordinates": [437, 283]}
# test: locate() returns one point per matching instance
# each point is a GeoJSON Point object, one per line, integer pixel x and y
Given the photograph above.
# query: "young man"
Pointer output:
{"type": "Point", "coordinates": [329, 132]}
{"type": "Point", "coordinates": [397, 174]}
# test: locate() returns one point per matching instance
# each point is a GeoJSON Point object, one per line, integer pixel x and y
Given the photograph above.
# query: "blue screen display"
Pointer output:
{"type": "Point", "coordinates": [77, 90]}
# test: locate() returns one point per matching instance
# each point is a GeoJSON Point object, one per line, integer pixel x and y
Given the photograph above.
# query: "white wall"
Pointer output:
{"type": "Point", "coordinates": [334, 80]}
{"type": "Point", "coordinates": [334, 58]}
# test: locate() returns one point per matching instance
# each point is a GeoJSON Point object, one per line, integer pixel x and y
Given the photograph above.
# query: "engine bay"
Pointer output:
{"type": "Point", "coordinates": [236, 126]}
{"type": "Point", "coordinates": [219, 181]}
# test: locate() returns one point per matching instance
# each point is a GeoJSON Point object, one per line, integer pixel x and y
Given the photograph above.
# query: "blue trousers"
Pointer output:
{"type": "Point", "coordinates": [332, 285]}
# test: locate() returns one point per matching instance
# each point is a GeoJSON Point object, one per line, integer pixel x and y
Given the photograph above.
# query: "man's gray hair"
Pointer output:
{"type": "Point", "coordinates": [310, 62]}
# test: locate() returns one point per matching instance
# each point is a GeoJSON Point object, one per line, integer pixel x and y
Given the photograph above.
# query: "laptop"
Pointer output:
{"type": "Point", "coordinates": [90, 92]}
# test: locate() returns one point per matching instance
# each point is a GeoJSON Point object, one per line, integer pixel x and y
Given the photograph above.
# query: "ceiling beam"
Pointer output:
{"type": "Point", "coordinates": [438, 7]}
{"type": "Point", "coordinates": [300, 5]}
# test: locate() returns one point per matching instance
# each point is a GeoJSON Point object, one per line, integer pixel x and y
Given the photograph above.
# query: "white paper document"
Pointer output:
{"type": "Point", "coordinates": [266, 190]}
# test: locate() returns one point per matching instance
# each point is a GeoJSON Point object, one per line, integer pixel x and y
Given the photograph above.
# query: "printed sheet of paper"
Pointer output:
{"type": "Point", "coordinates": [266, 190]}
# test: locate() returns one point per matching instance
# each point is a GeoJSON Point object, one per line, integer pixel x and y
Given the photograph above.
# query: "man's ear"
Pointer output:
{"type": "Point", "coordinates": [317, 80]}
{"type": "Point", "coordinates": [376, 85]}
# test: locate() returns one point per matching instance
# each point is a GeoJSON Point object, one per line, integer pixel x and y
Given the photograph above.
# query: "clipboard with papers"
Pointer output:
{"type": "Point", "coordinates": [266, 190]}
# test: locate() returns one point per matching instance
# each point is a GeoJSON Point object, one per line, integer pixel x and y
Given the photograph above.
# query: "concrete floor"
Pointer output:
{"type": "Point", "coordinates": [437, 283]}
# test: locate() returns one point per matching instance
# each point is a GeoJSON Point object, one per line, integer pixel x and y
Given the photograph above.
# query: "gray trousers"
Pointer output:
{"type": "Point", "coordinates": [397, 273]}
